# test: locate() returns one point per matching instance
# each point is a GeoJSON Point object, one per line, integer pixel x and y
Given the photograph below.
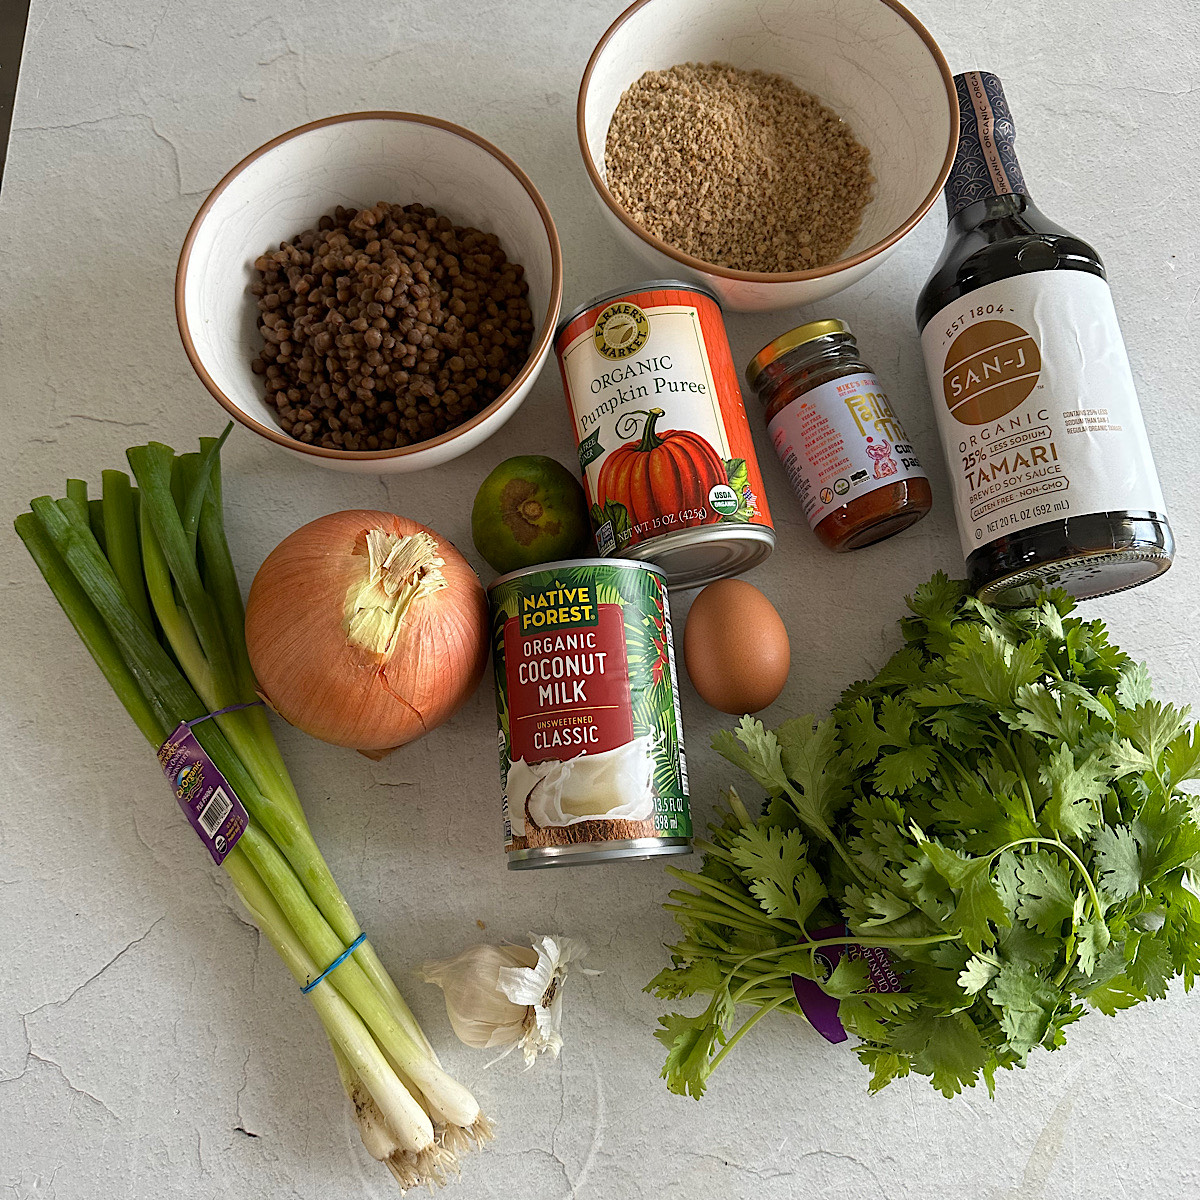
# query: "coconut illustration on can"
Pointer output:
{"type": "Point", "coordinates": [587, 700]}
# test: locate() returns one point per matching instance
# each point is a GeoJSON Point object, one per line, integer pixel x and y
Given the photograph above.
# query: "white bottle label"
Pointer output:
{"type": "Point", "coordinates": [1036, 406]}
{"type": "Point", "coordinates": [839, 441]}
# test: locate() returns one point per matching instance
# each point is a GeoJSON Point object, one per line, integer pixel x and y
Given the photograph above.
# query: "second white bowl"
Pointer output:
{"type": "Point", "coordinates": [355, 160]}
{"type": "Point", "coordinates": [871, 61]}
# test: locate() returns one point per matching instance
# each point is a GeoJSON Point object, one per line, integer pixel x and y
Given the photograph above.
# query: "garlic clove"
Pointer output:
{"type": "Point", "coordinates": [481, 1015]}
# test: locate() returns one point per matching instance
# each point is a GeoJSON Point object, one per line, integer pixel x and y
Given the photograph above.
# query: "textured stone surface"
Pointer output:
{"type": "Point", "coordinates": [147, 1047]}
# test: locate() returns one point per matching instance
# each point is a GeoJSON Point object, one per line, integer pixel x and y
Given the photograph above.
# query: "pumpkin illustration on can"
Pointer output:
{"type": "Point", "coordinates": [665, 448]}
{"type": "Point", "coordinates": [662, 472]}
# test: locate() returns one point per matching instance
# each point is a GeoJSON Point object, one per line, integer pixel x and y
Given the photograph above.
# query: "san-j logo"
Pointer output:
{"type": "Point", "coordinates": [559, 607]}
{"type": "Point", "coordinates": [991, 367]}
{"type": "Point", "coordinates": [621, 330]}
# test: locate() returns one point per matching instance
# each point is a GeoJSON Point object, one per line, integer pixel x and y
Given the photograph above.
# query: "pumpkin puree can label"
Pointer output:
{"type": "Point", "coordinates": [664, 445]}
{"type": "Point", "coordinates": [587, 703]}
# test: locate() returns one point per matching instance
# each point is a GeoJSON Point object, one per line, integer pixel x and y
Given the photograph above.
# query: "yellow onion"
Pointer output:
{"type": "Point", "coordinates": [366, 630]}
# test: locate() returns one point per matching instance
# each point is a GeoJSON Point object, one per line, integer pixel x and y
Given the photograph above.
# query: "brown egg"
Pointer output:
{"type": "Point", "coordinates": [735, 647]}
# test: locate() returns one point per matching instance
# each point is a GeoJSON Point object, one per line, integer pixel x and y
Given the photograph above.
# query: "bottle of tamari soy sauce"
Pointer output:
{"type": "Point", "coordinates": [1054, 483]}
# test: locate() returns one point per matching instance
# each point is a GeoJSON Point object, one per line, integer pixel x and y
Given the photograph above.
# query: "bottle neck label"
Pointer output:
{"type": "Point", "coordinates": [986, 163]}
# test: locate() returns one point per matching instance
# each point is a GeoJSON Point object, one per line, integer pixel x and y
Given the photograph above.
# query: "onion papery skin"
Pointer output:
{"type": "Point", "coordinates": [310, 672]}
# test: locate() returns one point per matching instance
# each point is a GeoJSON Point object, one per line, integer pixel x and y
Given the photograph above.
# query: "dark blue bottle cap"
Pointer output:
{"type": "Point", "coordinates": [986, 162]}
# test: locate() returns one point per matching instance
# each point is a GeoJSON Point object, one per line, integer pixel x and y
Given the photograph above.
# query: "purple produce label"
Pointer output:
{"type": "Point", "coordinates": [819, 1007]}
{"type": "Point", "coordinates": [204, 794]}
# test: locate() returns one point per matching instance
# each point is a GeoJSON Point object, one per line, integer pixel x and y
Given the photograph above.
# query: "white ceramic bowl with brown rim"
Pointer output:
{"type": "Point", "coordinates": [871, 61]}
{"type": "Point", "coordinates": [356, 159]}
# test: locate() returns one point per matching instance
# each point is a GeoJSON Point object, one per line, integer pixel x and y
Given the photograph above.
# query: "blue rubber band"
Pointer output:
{"type": "Point", "coordinates": [337, 962]}
{"type": "Point", "coordinates": [222, 711]}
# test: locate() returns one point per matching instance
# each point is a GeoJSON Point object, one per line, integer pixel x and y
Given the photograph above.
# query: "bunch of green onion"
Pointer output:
{"type": "Point", "coordinates": [145, 577]}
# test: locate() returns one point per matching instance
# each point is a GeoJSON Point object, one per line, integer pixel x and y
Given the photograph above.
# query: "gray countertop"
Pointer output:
{"type": "Point", "coordinates": [149, 1045]}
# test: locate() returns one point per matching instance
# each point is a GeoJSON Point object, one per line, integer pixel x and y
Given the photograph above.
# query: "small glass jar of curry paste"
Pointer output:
{"type": "Point", "coordinates": [843, 447]}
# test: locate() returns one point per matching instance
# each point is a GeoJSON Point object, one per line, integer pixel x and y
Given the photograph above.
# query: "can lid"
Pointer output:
{"type": "Point", "coordinates": [786, 342]}
{"type": "Point", "coordinates": [646, 285]}
{"type": "Point", "coordinates": [567, 564]}
{"type": "Point", "coordinates": [693, 558]}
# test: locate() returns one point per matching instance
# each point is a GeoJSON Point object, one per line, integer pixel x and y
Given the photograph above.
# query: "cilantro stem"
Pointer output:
{"type": "Point", "coordinates": [736, 997]}
{"type": "Point", "coordinates": [722, 893]}
{"type": "Point", "coordinates": [727, 917]}
{"type": "Point", "coordinates": [846, 940]}
{"type": "Point", "coordinates": [743, 1030]}
{"type": "Point", "coordinates": [711, 848]}
{"type": "Point", "coordinates": [1004, 744]}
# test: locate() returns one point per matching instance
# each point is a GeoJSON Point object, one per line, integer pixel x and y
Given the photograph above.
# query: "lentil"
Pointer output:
{"type": "Point", "coordinates": [386, 326]}
{"type": "Point", "coordinates": [740, 169]}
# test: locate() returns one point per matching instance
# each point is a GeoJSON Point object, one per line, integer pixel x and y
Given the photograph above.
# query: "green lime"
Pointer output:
{"type": "Point", "coordinates": [530, 510]}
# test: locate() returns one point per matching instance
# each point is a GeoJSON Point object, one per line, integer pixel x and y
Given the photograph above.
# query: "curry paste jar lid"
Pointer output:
{"type": "Point", "coordinates": [787, 342]}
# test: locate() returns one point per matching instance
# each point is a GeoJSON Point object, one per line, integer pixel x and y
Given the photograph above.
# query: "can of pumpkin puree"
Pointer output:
{"type": "Point", "coordinates": [587, 703]}
{"type": "Point", "coordinates": [664, 444]}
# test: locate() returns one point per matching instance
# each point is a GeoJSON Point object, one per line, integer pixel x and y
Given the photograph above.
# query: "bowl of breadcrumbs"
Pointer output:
{"type": "Point", "coordinates": [775, 150]}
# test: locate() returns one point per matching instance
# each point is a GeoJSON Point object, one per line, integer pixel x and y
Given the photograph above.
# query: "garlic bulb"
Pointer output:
{"type": "Point", "coordinates": [508, 995]}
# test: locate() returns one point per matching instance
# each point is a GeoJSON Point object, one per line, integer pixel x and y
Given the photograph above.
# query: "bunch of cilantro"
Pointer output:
{"type": "Point", "coordinates": [999, 808]}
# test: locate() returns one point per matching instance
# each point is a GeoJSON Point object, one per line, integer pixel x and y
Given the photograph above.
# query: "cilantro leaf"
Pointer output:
{"type": "Point", "coordinates": [809, 757]}
{"type": "Point", "coordinates": [1063, 715]}
{"type": "Point", "coordinates": [1119, 860]}
{"type": "Point", "coordinates": [1114, 994]}
{"type": "Point", "coordinates": [754, 749]}
{"type": "Point", "coordinates": [1134, 688]}
{"type": "Point", "coordinates": [1182, 931]}
{"type": "Point", "coordinates": [1152, 726]}
{"type": "Point", "coordinates": [862, 737]}
{"type": "Point", "coordinates": [938, 599]}
{"type": "Point", "coordinates": [1047, 896]}
{"type": "Point", "coordinates": [979, 904]}
{"type": "Point", "coordinates": [885, 1066]}
{"type": "Point", "coordinates": [885, 907]}
{"type": "Point", "coordinates": [781, 878]}
{"type": "Point", "coordinates": [691, 1043]}
{"type": "Point", "coordinates": [1093, 938]}
{"type": "Point", "coordinates": [1027, 1003]}
{"type": "Point", "coordinates": [977, 974]}
{"type": "Point", "coordinates": [1149, 967]}
{"type": "Point", "coordinates": [946, 1047]}
{"type": "Point", "coordinates": [686, 979]}
{"type": "Point", "coordinates": [850, 976]}
{"type": "Point", "coordinates": [1182, 756]}
{"type": "Point", "coordinates": [984, 666]}
{"type": "Point", "coordinates": [898, 772]}
{"type": "Point", "coordinates": [1075, 792]}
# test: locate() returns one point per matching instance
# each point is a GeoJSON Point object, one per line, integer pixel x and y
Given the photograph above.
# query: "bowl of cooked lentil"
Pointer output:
{"type": "Point", "coordinates": [775, 150]}
{"type": "Point", "coordinates": [375, 291]}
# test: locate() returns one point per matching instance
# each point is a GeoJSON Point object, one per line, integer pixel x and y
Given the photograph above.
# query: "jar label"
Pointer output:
{"type": "Point", "coordinates": [659, 420]}
{"type": "Point", "coordinates": [839, 441]}
{"type": "Point", "coordinates": [1036, 406]}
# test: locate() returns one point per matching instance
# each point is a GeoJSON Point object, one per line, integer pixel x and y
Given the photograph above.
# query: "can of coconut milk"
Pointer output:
{"type": "Point", "coordinates": [587, 702]}
{"type": "Point", "coordinates": [664, 444]}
